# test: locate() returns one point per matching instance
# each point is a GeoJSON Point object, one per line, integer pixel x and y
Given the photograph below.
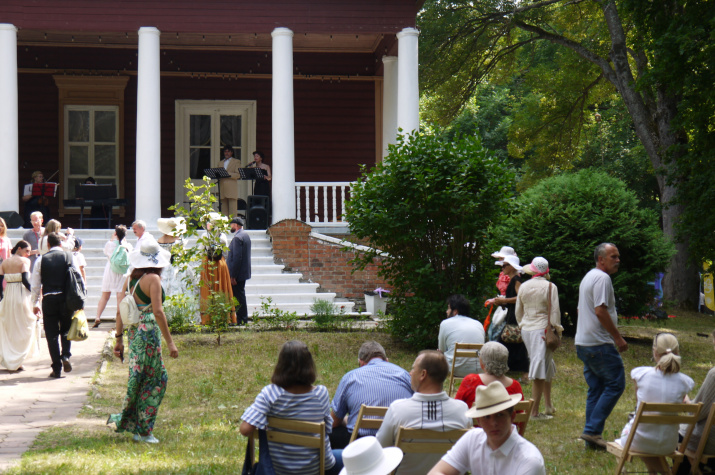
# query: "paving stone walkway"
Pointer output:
{"type": "Point", "coordinates": [30, 401]}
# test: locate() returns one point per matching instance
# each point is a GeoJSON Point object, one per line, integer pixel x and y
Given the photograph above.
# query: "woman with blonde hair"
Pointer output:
{"type": "Point", "coordinates": [5, 244]}
{"type": "Point", "coordinates": [663, 383]}
{"type": "Point", "coordinates": [54, 226]}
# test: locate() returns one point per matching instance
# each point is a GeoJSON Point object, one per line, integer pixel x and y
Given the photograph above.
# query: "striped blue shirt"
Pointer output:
{"type": "Point", "coordinates": [313, 406]}
{"type": "Point", "coordinates": [378, 383]}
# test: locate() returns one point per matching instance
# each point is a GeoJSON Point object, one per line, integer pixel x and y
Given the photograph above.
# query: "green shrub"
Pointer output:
{"type": "Point", "coordinates": [273, 318]}
{"type": "Point", "coordinates": [181, 311]}
{"type": "Point", "coordinates": [564, 218]}
{"type": "Point", "coordinates": [327, 316]}
{"type": "Point", "coordinates": [428, 206]}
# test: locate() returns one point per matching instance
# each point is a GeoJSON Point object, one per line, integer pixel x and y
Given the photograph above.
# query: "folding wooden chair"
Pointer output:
{"type": "Point", "coordinates": [427, 441]}
{"type": "Point", "coordinates": [463, 350]}
{"type": "Point", "coordinates": [657, 413]}
{"type": "Point", "coordinates": [523, 413]}
{"type": "Point", "coordinates": [377, 415]}
{"type": "Point", "coordinates": [294, 432]}
{"type": "Point", "coordinates": [699, 456]}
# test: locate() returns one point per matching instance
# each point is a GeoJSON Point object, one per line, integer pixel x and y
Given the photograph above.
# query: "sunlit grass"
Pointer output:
{"type": "Point", "coordinates": [210, 386]}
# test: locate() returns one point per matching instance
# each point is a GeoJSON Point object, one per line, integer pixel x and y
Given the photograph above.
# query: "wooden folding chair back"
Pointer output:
{"type": "Point", "coordinates": [295, 432]}
{"type": "Point", "coordinates": [657, 413]}
{"type": "Point", "coordinates": [463, 350]}
{"type": "Point", "coordinates": [376, 415]}
{"type": "Point", "coordinates": [699, 456]}
{"type": "Point", "coordinates": [427, 441]}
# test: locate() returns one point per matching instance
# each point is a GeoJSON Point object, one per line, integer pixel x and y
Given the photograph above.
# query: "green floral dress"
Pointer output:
{"type": "Point", "coordinates": [147, 374]}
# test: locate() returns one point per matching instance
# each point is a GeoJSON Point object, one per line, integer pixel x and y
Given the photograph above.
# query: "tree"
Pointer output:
{"type": "Point", "coordinates": [425, 211]}
{"type": "Point", "coordinates": [565, 217]}
{"type": "Point", "coordinates": [630, 45]}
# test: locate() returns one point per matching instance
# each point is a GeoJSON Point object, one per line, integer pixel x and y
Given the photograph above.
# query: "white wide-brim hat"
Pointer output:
{"type": "Point", "coordinates": [538, 266]}
{"type": "Point", "coordinates": [366, 456]}
{"type": "Point", "coordinates": [150, 254]}
{"type": "Point", "coordinates": [503, 252]}
{"type": "Point", "coordinates": [492, 399]}
{"type": "Point", "coordinates": [512, 261]}
{"type": "Point", "coordinates": [175, 226]}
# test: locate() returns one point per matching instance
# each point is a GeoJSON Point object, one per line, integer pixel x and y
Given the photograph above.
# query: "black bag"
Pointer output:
{"type": "Point", "coordinates": [264, 466]}
{"type": "Point", "coordinates": [75, 292]}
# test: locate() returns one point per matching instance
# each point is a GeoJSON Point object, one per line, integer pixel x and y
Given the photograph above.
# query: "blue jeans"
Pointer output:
{"type": "Point", "coordinates": [335, 470]}
{"type": "Point", "coordinates": [606, 379]}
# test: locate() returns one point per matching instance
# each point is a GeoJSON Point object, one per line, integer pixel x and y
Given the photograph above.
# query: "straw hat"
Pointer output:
{"type": "Point", "coordinates": [366, 456]}
{"type": "Point", "coordinates": [149, 255]}
{"type": "Point", "coordinates": [172, 226]}
{"type": "Point", "coordinates": [538, 266]}
{"type": "Point", "coordinates": [491, 399]}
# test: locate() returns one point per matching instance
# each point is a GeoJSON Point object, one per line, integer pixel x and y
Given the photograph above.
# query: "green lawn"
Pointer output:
{"type": "Point", "coordinates": [210, 386]}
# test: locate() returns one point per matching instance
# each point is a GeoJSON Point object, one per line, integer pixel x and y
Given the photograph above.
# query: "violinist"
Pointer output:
{"type": "Point", "coordinates": [35, 203]}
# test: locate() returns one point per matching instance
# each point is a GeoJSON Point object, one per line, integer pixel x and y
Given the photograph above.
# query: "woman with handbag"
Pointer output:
{"type": "Point", "coordinates": [518, 356]}
{"type": "Point", "coordinates": [537, 311]}
{"type": "Point", "coordinates": [112, 281]}
{"type": "Point", "coordinates": [147, 374]}
{"type": "Point", "coordinates": [292, 395]}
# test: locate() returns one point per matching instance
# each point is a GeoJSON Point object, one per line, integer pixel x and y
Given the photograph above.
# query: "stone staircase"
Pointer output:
{"type": "Point", "coordinates": [286, 290]}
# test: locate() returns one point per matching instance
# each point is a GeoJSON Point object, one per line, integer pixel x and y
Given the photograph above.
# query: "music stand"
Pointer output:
{"type": "Point", "coordinates": [217, 174]}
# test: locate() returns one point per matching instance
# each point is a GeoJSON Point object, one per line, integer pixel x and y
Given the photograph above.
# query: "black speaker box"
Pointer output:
{"type": "Point", "coordinates": [12, 219]}
{"type": "Point", "coordinates": [257, 218]}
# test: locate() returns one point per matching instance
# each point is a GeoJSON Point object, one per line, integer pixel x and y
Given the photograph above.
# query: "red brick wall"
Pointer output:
{"type": "Point", "coordinates": [322, 262]}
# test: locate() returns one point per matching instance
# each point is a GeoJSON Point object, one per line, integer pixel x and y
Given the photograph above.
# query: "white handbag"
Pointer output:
{"type": "Point", "coordinates": [128, 307]}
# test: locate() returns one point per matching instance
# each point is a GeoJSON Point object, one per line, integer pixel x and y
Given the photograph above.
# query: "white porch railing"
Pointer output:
{"type": "Point", "coordinates": [322, 203]}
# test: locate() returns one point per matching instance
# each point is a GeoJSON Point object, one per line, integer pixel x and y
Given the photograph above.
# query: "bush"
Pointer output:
{"type": "Point", "coordinates": [564, 218]}
{"type": "Point", "coordinates": [427, 207]}
{"type": "Point", "coordinates": [327, 316]}
{"type": "Point", "coordinates": [181, 312]}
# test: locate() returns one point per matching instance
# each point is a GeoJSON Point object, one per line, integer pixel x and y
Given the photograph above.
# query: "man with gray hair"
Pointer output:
{"type": "Point", "coordinates": [139, 230]}
{"type": "Point", "coordinates": [376, 382]}
{"type": "Point", "coordinates": [599, 343]}
{"type": "Point", "coordinates": [429, 408]}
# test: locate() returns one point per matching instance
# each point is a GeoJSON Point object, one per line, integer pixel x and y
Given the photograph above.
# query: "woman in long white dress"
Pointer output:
{"type": "Point", "coordinates": [172, 229]}
{"type": "Point", "coordinates": [112, 282]}
{"type": "Point", "coordinates": [19, 329]}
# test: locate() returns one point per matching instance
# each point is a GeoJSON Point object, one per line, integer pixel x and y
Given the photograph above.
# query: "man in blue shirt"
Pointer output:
{"type": "Point", "coordinates": [375, 383]}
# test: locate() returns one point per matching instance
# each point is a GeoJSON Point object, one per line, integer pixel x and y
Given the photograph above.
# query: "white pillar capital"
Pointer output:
{"type": "Point", "coordinates": [408, 95]}
{"type": "Point", "coordinates": [389, 59]}
{"type": "Point", "coordinates": [148, 154]}
{"type": "Point", "coordinates": [10, 197]}
{"type": "Point", "coordinates": [281, 31]}
{"type": "Point", "coordinates": [283, 121]}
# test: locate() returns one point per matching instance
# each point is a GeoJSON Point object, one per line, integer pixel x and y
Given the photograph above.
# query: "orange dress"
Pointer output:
{"type": "Point", "coordinates": [215, 276]}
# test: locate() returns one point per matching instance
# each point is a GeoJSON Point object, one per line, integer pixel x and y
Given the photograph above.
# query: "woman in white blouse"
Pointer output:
{"type": "Point", "coordinates": [533, 315]}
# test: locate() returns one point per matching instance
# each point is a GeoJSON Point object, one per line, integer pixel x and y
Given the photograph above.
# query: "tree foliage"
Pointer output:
{"type": "Point", "coordinates": [426, 208]}
{"type": "Point", "coordinates": [565, 217]}
{"type": "Point", "coordinates": [657, 56]}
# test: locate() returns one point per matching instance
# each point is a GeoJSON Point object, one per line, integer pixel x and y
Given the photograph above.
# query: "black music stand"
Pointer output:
{"type": "Point", "coordinates": [217, 174]}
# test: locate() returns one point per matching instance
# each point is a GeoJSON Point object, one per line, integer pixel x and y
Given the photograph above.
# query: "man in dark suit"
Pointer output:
{"type": "Point", "coordinates": [49, 277]}
{"type": "Point", "coordinates": [239, 267]}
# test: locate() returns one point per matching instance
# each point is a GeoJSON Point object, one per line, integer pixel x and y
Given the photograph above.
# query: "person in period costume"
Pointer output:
{"type": "Point", "coordinates": [19, 327]}
{"type": "Point", "coordinates": [518, 356]}
{"type": "Point", "coordinates": [239, 266]}
{"type": "Point", "coordinates": [262, 187]}
{"type": "Point", "coordinates": [228, 187]}
{"type": "Point", "coordinates": [172, 240]}
{"type": "Point", "coordinates": [215, 277]}
{"type": "Point", "coordinates": [147, 375]}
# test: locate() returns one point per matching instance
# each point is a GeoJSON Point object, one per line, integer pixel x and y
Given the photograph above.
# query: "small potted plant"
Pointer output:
{"type": "Point", "coordinates": [376, 301]}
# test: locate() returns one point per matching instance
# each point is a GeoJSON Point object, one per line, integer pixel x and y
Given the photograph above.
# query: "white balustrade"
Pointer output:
{"type": "Point", "coordinates": [322, 203]}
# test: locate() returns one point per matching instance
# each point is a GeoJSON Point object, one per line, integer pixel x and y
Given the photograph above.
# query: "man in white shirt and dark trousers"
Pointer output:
{"type": "Point", "coordinates": [460, 328]}
{"type": "Point", "coordinates": [49, 277]}
{"type": "Point", "coordinates": [495, 447]}
{"type": "Point", "coordinates": [599, 344]}
{"type": "Point", "coordinates": [429, 408]}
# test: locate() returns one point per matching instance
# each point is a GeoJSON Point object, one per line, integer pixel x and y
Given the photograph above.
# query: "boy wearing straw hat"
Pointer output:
{"type": "Point", "coordinates": [496, 447]}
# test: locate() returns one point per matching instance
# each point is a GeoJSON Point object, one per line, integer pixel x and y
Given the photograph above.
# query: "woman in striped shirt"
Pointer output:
{"type": "Point", "coordinates": [292, 395]}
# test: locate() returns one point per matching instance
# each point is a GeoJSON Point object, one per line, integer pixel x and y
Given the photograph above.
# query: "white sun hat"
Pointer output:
{"type": "Point", "coordinates": [149, 255]}
{"type": "Point", "coordinates": [538, 267]}
{"type": "Point", "coordinates": [503, 252]}
{"type": "Point", "coordinates": [174, 226]}
{"type": "Point", "coordinates": [513, 261]}
{"type": "Point", "coordinates": [366, 456]}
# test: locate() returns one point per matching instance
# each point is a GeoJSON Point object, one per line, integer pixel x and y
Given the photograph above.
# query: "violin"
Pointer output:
{"type": "Point", "coordinates": [45, 200]}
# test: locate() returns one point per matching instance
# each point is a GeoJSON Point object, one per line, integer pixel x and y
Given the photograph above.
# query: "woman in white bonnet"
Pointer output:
{"type": "Point", "coordinates": [663, 383]}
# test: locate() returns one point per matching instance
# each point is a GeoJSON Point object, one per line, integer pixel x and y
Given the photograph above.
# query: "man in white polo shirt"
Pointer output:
{"type": "Point", "coordinates": [495, 448]}
{"type": "Point", "coordinates": [429, 408]}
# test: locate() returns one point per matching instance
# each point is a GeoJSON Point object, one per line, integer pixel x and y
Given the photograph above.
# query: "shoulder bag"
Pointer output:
{"type": "Point", "coordinates": [75, 291]}
{"type": "Point", "coordinates": [264, 466]}
{"type": "Point", "coordinates": [79, 330]}
{"type": "Point", "coordinates": [553, 342]}
{"type": "Point", "coordinates": [128, 308]}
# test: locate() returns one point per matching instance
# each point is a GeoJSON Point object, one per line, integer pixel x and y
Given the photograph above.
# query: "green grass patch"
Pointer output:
{"type": "Point", "coordinates": [210, 386]}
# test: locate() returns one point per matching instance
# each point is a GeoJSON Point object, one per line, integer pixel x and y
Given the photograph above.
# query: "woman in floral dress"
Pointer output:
{"type": "Point", "coordinates": [147, 374]}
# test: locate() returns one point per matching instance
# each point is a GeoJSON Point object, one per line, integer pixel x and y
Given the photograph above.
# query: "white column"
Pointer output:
{"type": "Point", "coordinates": [148, 174]}
{"type": "Point", "coordinates": [389, 102]}
{"type": "Point", "coordinates": [408, 94]}
{"type": "Point", "coordinates": [283, 142]}
{"type": "Point", "coordinates": [10, 196]}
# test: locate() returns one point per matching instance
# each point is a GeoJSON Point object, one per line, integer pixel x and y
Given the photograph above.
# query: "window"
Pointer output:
{"type": "Point", "coordinates": [91, 147]}
{"type": "Point", "coordinates": [203, 128]}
